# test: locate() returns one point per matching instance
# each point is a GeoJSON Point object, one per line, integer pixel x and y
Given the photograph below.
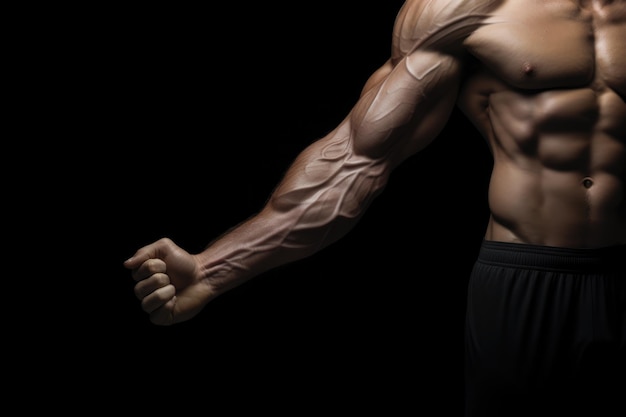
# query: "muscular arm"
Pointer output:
{"type": "Point", "coordinates": [326, 190]}
{"type": "Point", "coordinates": [332, 182]}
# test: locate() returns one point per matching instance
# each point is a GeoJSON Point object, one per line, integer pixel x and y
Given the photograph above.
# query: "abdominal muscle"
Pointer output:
{"type": "Point", "coordinates": [559, 167]}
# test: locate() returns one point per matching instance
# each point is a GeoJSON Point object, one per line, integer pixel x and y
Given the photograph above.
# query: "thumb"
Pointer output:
{"type": "Point", "coordinates": [151, 251]}
{"type": "Point", "coordinates": [135, 260]}
{"type": "Point", "coordinates": [140, 257]}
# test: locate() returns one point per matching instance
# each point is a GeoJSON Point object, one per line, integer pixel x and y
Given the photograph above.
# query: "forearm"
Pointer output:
{"type": "Point", "coordinates": [322, 196]}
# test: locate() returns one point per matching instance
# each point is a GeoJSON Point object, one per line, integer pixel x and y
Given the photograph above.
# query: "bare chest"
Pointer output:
{"type": "Point", "coordinates": [543, 44]}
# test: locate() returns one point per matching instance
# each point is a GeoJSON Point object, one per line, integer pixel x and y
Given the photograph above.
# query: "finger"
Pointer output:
{"type": "Point", "coordinates": [149, 285]}
{"type": "Point", "coordinates": [158, 298]}
{"type": "Point", "coordinates": [164, 315]}
{"type": "Point", "coordinates": [149, 268]}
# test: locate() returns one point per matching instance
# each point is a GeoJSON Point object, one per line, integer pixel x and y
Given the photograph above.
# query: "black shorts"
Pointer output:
{"type": "Point", "coordinates": [546, 331]}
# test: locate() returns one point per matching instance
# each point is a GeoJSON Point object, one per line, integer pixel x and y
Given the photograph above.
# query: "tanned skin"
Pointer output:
{"type": "Point", "coordinates": [544, 81]}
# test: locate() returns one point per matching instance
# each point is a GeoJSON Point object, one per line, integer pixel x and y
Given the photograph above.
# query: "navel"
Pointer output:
{"type": "Point", "coordinates": [587, 182]}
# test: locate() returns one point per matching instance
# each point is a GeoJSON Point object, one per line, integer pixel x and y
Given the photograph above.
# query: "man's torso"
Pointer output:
{"type": "Point", "coordinates": [548, 93]}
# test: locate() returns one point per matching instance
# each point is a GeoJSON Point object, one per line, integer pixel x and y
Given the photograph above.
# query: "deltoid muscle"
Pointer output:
{"type": "Point", "coordinates": [440, 22]}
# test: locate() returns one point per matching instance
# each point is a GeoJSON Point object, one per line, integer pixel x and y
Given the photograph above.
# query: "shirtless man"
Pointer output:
{"type": "Point", "coordinates": [544, 81]}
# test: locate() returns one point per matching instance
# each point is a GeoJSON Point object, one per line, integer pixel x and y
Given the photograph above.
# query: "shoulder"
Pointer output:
{"type": "Point", "coordinates": [440, 25]}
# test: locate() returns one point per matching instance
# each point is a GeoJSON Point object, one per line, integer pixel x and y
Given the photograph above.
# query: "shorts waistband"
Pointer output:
{"type": "Point", "coordinates": [606, 259]}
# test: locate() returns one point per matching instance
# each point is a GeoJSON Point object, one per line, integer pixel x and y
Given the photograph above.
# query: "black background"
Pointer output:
{"type": "Point", "coordinates": [178, 121]}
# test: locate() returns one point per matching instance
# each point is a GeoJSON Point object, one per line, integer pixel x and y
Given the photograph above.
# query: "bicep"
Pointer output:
{"type": "Point", "coordinates": [403, 111]}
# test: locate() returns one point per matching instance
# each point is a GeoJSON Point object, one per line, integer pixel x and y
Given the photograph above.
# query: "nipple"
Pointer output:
{"type": "Point", "coordinates": [587, 182]}
{"type": "Point", "coordinates": [528, 69]}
